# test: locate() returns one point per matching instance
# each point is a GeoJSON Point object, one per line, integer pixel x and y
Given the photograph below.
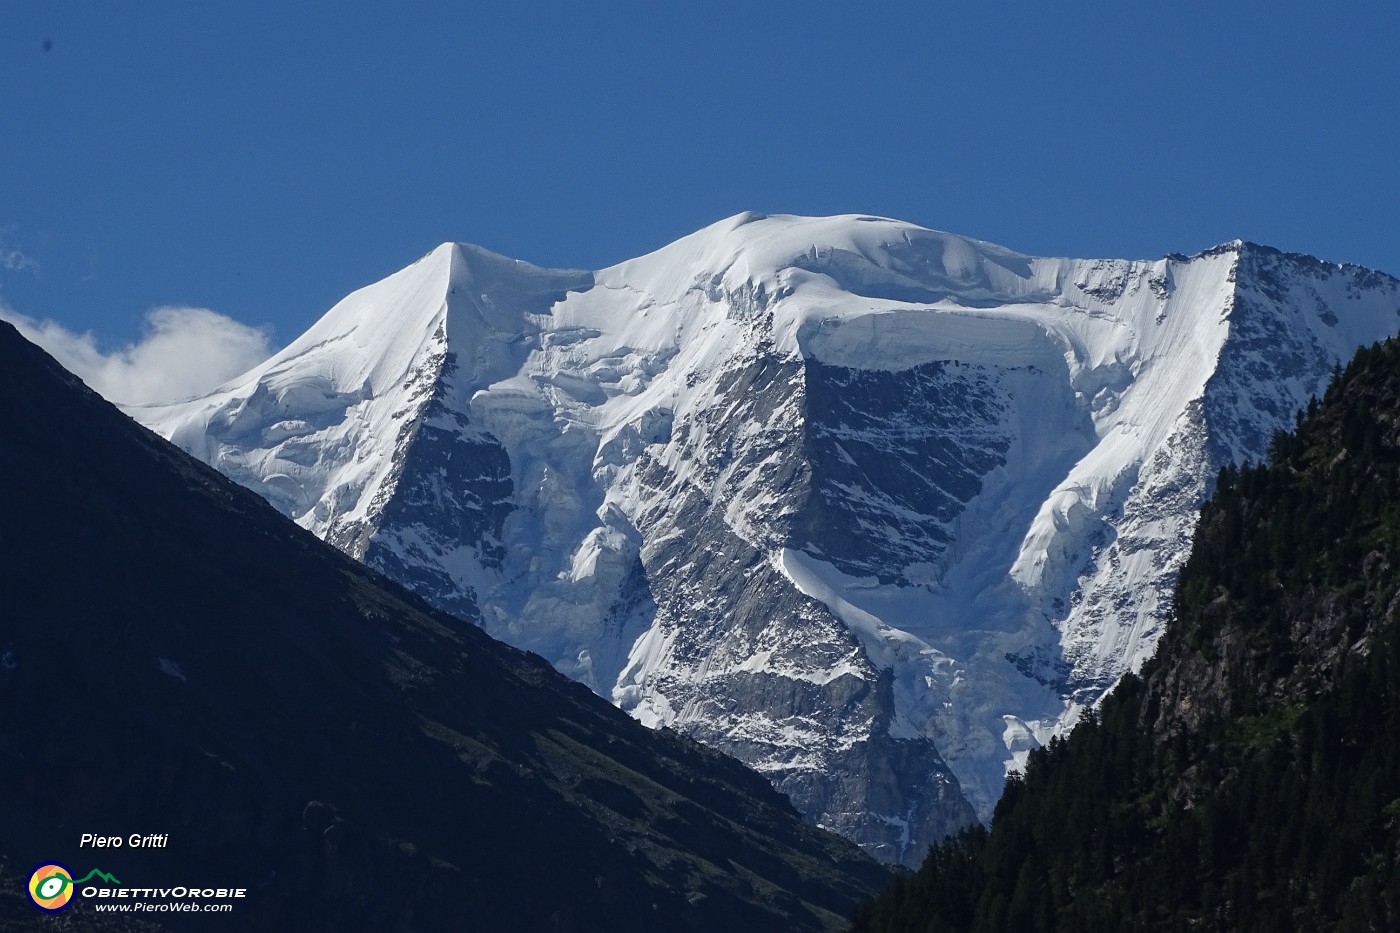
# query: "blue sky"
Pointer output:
{"type": "Point", "coordinates": [263, 159]}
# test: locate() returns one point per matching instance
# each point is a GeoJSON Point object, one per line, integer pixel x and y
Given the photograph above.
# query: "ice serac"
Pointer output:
{"type": "Point", "coordinates": [874, 508]}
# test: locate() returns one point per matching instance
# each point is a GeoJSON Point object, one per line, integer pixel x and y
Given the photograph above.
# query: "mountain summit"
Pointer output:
{"type": "Point", "coordinates": [874, 508]}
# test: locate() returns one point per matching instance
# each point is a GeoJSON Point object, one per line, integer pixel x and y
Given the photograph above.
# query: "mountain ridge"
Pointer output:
{"type": "Point", "coordinates": [737, 484]}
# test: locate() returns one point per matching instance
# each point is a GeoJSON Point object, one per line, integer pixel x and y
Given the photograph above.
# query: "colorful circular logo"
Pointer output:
{"type": "Point", "coordinates": [51, 887]}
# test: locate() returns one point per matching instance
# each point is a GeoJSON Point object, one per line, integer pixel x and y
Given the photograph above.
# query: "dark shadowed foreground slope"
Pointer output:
{"type": "Point", "coordinates": [179, 659]}
{"type": "Point", "coordinates": [1250, 779]}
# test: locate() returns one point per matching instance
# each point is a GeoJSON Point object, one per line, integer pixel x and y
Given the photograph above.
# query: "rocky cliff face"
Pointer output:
{"type": "Point", "coordinates": [872, 507]}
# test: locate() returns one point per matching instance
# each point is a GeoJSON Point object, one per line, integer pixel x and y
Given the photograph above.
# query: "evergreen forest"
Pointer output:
{"type": "Point", "coordinates": [1249, 778]}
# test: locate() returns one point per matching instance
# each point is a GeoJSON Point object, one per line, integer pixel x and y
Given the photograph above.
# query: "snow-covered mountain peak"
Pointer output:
{"type": "Point", "coordinates": [315, 427]}
{"type": "Point", "coordinates": [873, 507]}
{"type": "Point", "coordinates": [370, 341]}
{"type": "Point", "coordinates": [873, 257]}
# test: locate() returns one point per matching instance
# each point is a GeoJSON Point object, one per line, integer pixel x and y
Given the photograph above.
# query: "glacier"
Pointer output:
{"type": "Point", "coordinates": [875, 509]}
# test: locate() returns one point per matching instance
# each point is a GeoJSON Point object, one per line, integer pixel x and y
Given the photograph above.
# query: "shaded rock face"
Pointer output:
{"type": "Point", "coordinates": [752, 664]}
{"type": "Point", "coordinates": [895, 456]}
{"type": "Point", "coordinates": [770, 675]}
{"type": "Point", "coordinates": [875, 509]}
{"type": "Point", "coordinates": [452, 489]}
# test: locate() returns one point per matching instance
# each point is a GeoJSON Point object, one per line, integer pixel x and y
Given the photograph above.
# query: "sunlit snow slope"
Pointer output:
{"type": "Point", "coordinates": [871, 507]}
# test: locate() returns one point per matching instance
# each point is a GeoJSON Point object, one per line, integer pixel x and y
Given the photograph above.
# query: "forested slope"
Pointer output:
{"type": "Point", "coordinates": [1249, 779]}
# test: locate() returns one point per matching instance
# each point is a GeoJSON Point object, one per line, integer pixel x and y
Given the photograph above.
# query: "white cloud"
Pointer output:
{"type": "Point", "coordinates": [184, 352]}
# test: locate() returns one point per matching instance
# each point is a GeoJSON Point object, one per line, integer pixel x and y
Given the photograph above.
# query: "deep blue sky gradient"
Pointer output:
{"type": "Point", "coordinates": [263, 159]}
